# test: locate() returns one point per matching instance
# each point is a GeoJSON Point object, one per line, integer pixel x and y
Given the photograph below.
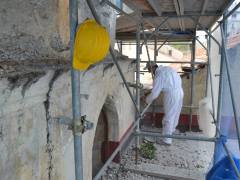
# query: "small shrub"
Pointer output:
{"type": "Point", "coordinates": [147, 150]}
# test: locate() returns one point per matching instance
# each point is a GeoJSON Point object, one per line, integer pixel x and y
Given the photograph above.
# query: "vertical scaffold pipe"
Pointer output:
{"type": "Point", "coordinates": [75, 78]}
{"type": "Point", "coordinates": [208, 58]}
{"type": "Point", "coordinates": [138, 83]}
{"type": "Point", "coordinates": [155, 49]}
{"type": "Point", "coordinates": [192, 81]}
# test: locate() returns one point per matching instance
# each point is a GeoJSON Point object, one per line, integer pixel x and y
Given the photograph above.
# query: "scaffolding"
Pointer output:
{"type": "Point", "coordinates": [143, 39]}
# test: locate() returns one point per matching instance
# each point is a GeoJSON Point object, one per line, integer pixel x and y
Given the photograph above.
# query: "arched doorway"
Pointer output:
{"type": "Point", "coordinates": [106, 135]}
{"type": "Point", "coordinates": [101, 137]}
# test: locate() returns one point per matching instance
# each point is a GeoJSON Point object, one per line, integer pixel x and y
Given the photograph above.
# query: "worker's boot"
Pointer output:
{"type": "Point", "coordinates": [161, 141]}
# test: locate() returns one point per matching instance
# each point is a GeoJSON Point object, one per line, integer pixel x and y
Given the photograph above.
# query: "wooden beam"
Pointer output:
{"type": "Point", "coordinates": [156, 6]}
{"type": "Point", "coordinates": [204, 6]}
{"type": "Point", "coordinates": [133, 6]}
{"type": "Point", "coordinates": [186, 14]}
{"type": "Point", "coordinates": [179, 6]}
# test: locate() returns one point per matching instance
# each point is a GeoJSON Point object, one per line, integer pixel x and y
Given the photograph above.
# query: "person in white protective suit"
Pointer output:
{"type": "Point", "coordinates": [168, 81]}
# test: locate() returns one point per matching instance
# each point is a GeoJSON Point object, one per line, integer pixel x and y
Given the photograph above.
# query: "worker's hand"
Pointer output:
{"type": "Point", "coordinates": [147, 92]}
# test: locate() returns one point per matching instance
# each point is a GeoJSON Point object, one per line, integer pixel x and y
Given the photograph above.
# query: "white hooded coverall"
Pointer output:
{"type": "Point", "coordinates": [168, 81]}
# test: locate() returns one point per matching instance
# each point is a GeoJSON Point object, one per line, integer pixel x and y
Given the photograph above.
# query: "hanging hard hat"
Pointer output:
{"type": "Point", "coordinates": [92, 43]}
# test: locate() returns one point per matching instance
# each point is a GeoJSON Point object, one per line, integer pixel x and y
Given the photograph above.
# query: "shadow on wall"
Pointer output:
{"type": "Point", "coordinates": [106, 137]}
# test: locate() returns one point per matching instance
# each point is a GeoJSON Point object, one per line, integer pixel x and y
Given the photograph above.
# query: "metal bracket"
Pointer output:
{"type": "Point", "coordinates": [140, 50]}
{"type": "Point", "coordinates": [86, 124]}
{"type": "Point", "coordinates": [78, 126]}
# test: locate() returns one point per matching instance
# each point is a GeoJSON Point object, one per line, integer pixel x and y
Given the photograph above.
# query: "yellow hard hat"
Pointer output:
{"type": "Point", "coordinates": [91, 45]}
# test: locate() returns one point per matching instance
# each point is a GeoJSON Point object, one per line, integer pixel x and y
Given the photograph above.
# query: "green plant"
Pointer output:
{"type": "Point", "coordinates": [147, 150]}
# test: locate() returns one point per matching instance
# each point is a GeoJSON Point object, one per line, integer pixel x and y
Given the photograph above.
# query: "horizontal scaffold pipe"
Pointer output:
{"type": "Point", "coordinates": [177, 62]}
{"type": "Point", "coordinates": [188, 137]}
{"type": "Point", "coordinates": [180, 72]}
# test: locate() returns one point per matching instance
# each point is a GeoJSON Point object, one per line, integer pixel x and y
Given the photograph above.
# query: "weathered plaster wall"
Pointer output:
{"type": "Point", "coordinates": [199, 89]}
{"type": "Point", "coordinates": [33, 144]}
{"type": "Point", "coordinates": [40, 28]}
{"type": "Point", "coordinates": [33, 29]}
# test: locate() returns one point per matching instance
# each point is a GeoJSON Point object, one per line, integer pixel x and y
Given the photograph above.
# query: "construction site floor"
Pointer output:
{"type": "Point", "coordinates": [184, 159]}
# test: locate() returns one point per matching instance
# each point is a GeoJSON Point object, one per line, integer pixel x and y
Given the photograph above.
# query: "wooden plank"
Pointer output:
{"type": "Point", "coordinates": [133, 6]}
{"type": "Point", "coordinates": [179, 6]}
{"type": "Point", "coordinates": [204, 6]}
{"type": "Point", "coordinates": [156, 6]}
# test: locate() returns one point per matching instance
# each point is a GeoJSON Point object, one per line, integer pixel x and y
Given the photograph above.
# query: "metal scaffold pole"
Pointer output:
{"type": "Point", "coordinates": [121, 47]}
{"type": "Point", "coordinates": [147, 50]}
{"type": "Point", "coordinates": [209, 75]}
{"type": "Point", "coordinates": [192, 81]}
{"type": "Point", "coordinates": [219, 108]}
{"type": "Point", "coordinates": [164, 42]}
{"type": "Point", "coordinates": [208, 59]}
{"type": "Point", "coordinates": [176, 62]}
{"type": "Point", "coordinates": [188, 137]}
{"type": "Point", "coordinates": [155, 49]}
{"type": "Point", "coordinates": [138, 50]}
{"type": "Point", "coordinates": [75, 77]}
{"type": "Point", "coordinates": [220, 93]}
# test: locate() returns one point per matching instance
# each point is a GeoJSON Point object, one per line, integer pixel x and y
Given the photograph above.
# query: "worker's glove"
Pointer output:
{"type": "Point", "coordinates": [143, 99]}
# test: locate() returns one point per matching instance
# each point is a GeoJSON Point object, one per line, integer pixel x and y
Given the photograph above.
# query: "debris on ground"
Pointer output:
{"type": "Point", "coordinates": [189, 158]}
